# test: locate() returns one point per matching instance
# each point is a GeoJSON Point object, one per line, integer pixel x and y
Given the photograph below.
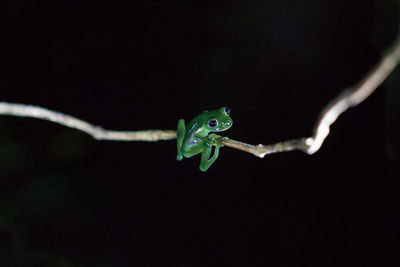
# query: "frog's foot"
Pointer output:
{"type": "Point", "coordinates": [179, 157]}
{"type": "Point", "coordinates": [217, 140]}
{"type": "Point", "coordinates": [213, 138]}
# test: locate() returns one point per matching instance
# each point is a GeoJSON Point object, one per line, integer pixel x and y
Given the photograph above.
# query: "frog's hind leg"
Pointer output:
{"type": "Point", "coordinates": [205, 162]}
{"type": "Point", "coordinates": [179, 138]}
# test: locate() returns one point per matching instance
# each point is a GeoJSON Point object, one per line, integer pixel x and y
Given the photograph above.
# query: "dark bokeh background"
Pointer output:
{"type": "Point", "coordinates": [68, 200]}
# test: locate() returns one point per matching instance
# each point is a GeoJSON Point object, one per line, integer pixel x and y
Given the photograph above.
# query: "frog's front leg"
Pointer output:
{"type": "Point", "coordinates": [206, 161]}
{"type": "Point", "coordinates": [180, 136]}
{"type": "Point", "coordinates": [216, 139]}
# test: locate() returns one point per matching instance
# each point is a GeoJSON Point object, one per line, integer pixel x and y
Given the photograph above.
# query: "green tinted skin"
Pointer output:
{"type": "Point", "coordinates": [198, 136]}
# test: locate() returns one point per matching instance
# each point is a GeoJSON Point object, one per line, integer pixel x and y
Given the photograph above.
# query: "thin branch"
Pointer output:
{"type": "Point", "coordinates": [262, 150]}
{"type": "Point", "coordinates": [96, 132]}
{"type": "Point", "coordinates": [354, 96]}
{"type": "Point", "coordinates": [347, 99]}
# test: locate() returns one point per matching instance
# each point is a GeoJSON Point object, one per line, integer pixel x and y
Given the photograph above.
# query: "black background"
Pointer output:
{"type": "Point", "coordinates": [68, 200]}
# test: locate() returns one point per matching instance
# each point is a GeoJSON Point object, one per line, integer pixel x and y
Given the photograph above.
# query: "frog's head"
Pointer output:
{"type": "Point", "coordinates": [218, 120]}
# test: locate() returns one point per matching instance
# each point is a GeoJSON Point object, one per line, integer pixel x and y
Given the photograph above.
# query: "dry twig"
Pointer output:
{"type": "Point", "coordinates": [347, 99]}
{"type": "Point", "coordinates": [96, 132]}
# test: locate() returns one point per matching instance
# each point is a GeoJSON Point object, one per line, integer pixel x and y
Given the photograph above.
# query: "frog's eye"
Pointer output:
{"type": "Point", "coordinates": [227, 111]}
{"type": "Point", "coordinates": [212, 123]}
